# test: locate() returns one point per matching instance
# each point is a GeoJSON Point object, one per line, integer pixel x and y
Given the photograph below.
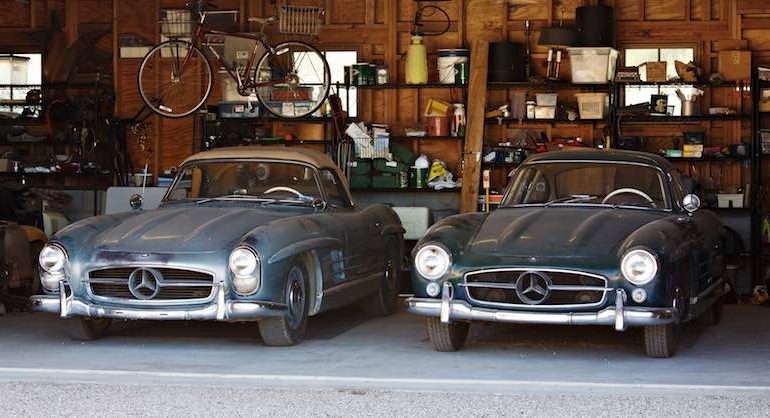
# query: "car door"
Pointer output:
{"type": "Point", "coordinates": [703, 230]}
{"type": "Point", "coordinates": [358, 258]}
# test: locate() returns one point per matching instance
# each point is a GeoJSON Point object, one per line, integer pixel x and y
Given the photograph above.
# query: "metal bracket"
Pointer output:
{"type": "Point", "coordinates": [446, 298]}
{"type": "Point", "coordinates": [63, 301]}
{"type": "Point", "coordinates": [221, 308]}
{"type": "Point", "coordinates": [620, 320]}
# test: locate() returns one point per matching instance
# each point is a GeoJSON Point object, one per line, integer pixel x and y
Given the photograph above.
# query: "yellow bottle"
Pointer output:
{"type": "Point", "coordinates": [416, 62]}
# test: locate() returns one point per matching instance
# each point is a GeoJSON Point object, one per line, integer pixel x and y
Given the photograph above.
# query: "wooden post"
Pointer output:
{"type": "Point", "coordinates": [474, 132]}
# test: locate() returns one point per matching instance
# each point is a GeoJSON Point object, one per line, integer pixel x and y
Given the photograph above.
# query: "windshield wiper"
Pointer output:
{"type": "Point", "coordinates": [229, 196]}
{"type": "Point", "coordinates": [305, 200]}
{"type": "Point", "coordinates": [573, 198]}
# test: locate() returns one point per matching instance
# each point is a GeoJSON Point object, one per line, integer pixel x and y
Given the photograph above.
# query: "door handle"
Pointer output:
{"type": "Point", "coordinates": [378, 225]}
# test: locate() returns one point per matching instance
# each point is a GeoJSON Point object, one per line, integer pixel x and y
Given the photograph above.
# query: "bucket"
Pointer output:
{"type": "Point", "coordinates": [447, 58]}
{"type": "Point", "coordinates": [689, 108]}
{"type": "Point", "coordinates": [438, 125]}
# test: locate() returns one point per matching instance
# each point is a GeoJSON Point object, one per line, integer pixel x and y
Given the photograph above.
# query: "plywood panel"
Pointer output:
{"type": "Point", "coordinates": [15, 15]}
{"type": "Point", "coordinates": [628, 9]}
{"type": "Point", "coordinates": [528, 9]}
{"type": "Point", "coordinates": [348, 11]}
{"type": "Point", "coordinates": [665, 9]}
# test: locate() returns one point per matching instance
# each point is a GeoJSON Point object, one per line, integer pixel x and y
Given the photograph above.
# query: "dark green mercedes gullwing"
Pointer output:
{"type": "Point", "coordinates": [586, 237]}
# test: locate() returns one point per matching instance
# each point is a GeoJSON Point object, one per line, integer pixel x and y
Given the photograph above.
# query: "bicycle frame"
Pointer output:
{"type": "Point", "coordinates": [199, 38]}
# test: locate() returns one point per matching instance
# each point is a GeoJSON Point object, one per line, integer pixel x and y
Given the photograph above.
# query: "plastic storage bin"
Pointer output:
{"type": "Point", "coordinates": [729, 200]}
{"type": "Point", "coordinates": [592, 105]}
{"type": "Point", "coordinates": [592, 65]}
{"type": "Point", "coordinates": [546, 99]}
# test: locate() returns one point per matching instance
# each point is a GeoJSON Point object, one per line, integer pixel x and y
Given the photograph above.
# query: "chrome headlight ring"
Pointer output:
{"type": "Point", "coordinates": [245, 266]}
{"type": "Point", "coordinates": [432, 261]}
{"type": "Point", "coordinates": [639, 266]}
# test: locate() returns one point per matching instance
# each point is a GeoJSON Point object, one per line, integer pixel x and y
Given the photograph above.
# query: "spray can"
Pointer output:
{"type": "Point", "coordinates": [459, 122]}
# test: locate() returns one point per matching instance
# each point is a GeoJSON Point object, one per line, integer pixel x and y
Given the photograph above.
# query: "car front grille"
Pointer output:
{"type": "Point", "coordinates": [536, 288]}
{"type": "Point", "coordinates": [172, 284]}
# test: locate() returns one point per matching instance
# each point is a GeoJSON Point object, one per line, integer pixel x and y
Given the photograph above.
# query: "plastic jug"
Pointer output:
{"type": "Point", "coordinates": [416, 62]}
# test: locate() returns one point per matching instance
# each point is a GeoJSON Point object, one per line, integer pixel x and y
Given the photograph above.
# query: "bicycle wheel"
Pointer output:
{"type": "Point", "coordinates": [173, 83]}
{"type": "Point", "coordinates": [297, 77]}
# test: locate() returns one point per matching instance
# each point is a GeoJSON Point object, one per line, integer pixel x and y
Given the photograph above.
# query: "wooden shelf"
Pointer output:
{"type": "Point", "coordinates": [682, 83]}
{"type": "Point", "coordinates": [494, 121]}
{"type": "Point", "coordinates": [552, 85]}
{"type": "Point", "coordinates": [648, 119]}
{"type": "Point", "coordinates": [404, 190]}
{"type": "Point", "coordinates": [709, 159]}
{"type": "Point", "coordinates": [403, 86]}
{"type": "Point", "coordinates": [404, 138]}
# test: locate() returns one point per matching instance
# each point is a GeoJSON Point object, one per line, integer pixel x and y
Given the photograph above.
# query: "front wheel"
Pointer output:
{"type": "Point", "coordinates": [292, 80]}
{"type": "Point", "coordinates": [447, 337]}
{"type": "Point", "coordinates": [290, 328]}
{"type": "Point", "coordinates": [175, 79]}
{"type": "Point", "coordinates": [660, 341]}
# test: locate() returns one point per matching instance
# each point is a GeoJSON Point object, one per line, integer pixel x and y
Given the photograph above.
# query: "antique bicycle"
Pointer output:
{"type": "Point", "coordinates": [290, 79]}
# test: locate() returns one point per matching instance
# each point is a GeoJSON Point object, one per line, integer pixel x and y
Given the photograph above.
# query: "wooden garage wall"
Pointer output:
{"type": "Point", "coordinates": [379, 31]}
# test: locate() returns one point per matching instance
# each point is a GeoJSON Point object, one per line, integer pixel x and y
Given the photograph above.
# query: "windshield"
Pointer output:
{"type": "Point", "coordinates": [587, 183]}
{"type": "Point", "coordinates": [263, 180]}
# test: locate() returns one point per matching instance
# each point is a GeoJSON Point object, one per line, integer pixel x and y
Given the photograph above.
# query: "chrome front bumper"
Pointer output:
{"type": "Point", "coordinates": [67, 306]}
{"type": "Point", "coordinates": [619, 316]}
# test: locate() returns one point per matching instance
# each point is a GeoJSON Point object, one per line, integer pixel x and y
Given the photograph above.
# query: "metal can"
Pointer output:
{"type": "Point", "coordinates": [382, 74]}
{"type": "Point", "coordinates": [530, 109]}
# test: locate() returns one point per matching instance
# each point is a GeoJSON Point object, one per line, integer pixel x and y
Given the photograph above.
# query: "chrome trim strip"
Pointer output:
{"type": "Point", "coordinates": [462, 311]}
{"type": "Point", "coordinates": [164, 302]}
{"type": "Point", "coordinates": [604, 289]}
{"type": "Point", "coordinates": [707, 291]}
{"type": "Point", "coordinates": [553, 287]}
{"type": "Point", "coordinates": [68, 306]}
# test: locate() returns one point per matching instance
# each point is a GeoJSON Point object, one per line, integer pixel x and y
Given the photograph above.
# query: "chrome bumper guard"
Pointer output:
{"type": "Point", "coordinates": [222, 310]}
{"type": "Point", "coordinates": [619, 316]}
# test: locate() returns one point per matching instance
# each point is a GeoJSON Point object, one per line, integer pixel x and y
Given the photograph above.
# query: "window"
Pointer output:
{"type": "Point", "coordinates": [19, 74]}
{"type": "Point", "coordinates": [638, 56]}
{"type": "Point", "coordinates": [334, 190]}
{"type": "Point", "coordinates": [337, 61]}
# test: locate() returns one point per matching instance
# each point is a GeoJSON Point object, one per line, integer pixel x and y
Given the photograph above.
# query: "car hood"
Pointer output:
{"type": "Point", "coordinates": [187, 229]}
{"type": "Point", "coordinates": [558, 231]}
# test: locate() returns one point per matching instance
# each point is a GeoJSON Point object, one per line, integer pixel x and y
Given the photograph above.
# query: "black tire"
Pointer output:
{"type": "Point", "coordinates": [384, 301]}
{"type": "Point", "coordinates": [715, 311]}
{"type": "Point", "coordinates": [660, 341]}
{"type": "Point", "coordinates": [447, 337]}
{"type": "Point", "coordinates": [262, 65]}
{"type": "Point", "coordinates": [289, 329]}
{"type": "Point", "coordinates": [150, 103]}
{"type": "Point", "coordinates": [87, 329]}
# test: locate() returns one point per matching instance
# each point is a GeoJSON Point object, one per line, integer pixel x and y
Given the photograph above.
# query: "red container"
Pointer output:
{"type": "Point", "coordinates": [438, 125]}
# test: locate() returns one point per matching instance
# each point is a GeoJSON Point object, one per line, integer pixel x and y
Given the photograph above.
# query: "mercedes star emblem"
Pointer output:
{"type": "Point", "coordinates": [533, 287]}
{"type": "Point", "coordinates": [143, 283]}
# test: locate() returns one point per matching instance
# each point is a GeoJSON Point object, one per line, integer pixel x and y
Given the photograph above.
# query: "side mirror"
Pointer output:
{"type": "Point", "coordinates": [690, 203]}
{"type": "Point", "coordinates": [135, 202]}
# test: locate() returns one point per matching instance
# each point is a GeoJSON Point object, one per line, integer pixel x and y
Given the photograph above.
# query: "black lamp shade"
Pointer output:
{"type": "Point", "coordinates": [558, 36]}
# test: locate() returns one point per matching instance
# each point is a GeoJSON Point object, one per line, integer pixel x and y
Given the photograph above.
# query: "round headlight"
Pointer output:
{"type": "Point", "coordinates": [432, 261]}
{"type": "Point", "coordinates": [52, 259]}
{"type": "Point", "coordinates": [639, 267]}
{"type": "Point", "coordinates": [244, 264]}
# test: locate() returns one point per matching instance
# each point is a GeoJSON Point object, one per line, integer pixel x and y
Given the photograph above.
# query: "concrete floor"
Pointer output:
{"type": "Point", "coordinates": [348, 352]}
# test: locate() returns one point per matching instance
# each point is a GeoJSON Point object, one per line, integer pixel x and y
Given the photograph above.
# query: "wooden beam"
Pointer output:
{"type": "Point", "coordinates": [474, 132]}
{"type": "Point", "coordinates": [71, 21]}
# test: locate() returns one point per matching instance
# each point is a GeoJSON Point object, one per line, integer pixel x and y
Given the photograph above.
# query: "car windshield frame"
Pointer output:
{"type": "Point", "coordinates": [669, 205]}
{"type": "Point", "coordinates": [247, 198]}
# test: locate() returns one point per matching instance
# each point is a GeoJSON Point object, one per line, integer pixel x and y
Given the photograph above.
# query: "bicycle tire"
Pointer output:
{"type": "Point", "coordinates": [149, 102]}
{"type": "Point", "coordinates": [326, 86]}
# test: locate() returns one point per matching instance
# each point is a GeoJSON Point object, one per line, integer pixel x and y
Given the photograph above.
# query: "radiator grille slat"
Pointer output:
{"type": "Point", "coordinates": [565, 288]}
{"type": "Point", "coordinates": [173, 284]}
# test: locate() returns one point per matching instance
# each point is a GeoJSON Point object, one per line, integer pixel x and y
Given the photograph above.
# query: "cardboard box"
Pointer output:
{"type": "Point", "coordinates": [735, 65]}
{"type": "Point", "coordinates": [5, 164]}
{"type": "Point", "coordinates": [692, 148]}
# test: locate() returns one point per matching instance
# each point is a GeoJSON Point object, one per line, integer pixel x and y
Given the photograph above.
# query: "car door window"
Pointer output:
{"type": "Point", "coordinates": [677, 187]}
{"type": "Point", "coordinates": [334, 189]}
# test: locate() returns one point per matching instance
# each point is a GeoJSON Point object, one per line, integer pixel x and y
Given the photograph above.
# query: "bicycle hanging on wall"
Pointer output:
{"type": "Point", "coordinates": [290, 79]}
